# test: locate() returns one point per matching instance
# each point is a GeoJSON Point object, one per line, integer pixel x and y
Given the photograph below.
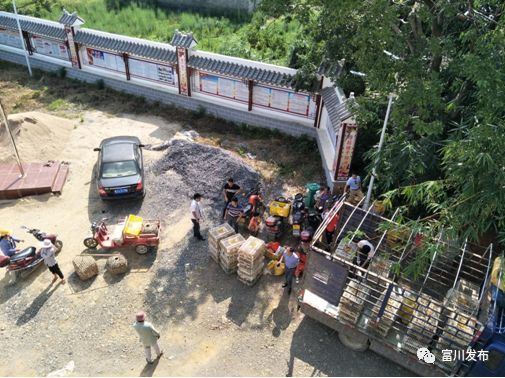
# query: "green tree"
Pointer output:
{"type": "Point", "coordinates": [444, 151]}
{"type": "Point", "coordinates": [31, 7]}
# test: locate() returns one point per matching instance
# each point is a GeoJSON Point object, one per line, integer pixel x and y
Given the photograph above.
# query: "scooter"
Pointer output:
{"type": "Point", "coordinates": [24, 262]}
{"type": "Point", "coordinates": [279, 210]}
{"type": "Point", "coordinates": [40, 236]}
{"type": "Point", "coordinates": [312, 220]}
{"type": "Point", "coordinates": [297, 214]}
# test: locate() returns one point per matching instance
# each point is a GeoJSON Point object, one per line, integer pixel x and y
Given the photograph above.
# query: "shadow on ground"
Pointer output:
{"type": "Point", "coordinates": [313, 343]}
{"type": "Point", "coordinates": [149, 369]}
{"type": "Point", "coordinates": [187, 278]}
{"type": "Point", "coordinates": [37, 304]}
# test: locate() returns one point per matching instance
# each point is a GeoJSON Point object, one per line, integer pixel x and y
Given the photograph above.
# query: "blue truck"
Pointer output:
{"type": "Point", "coordinates": [444, 322]}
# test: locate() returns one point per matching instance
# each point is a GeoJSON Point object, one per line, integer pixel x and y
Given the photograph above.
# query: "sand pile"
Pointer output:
{"type": "Point", "coordinates": [38, 136]}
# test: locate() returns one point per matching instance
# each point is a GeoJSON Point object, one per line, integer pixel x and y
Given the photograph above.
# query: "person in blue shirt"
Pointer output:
{"type": "Point", "coordinates": [8, 243]}
{"type": "Point", "coordinates": [233, 212]}
{"type": "Point", "coordinates": [291, 259]}
{"type": "Point", "coordinates": [353, 186]}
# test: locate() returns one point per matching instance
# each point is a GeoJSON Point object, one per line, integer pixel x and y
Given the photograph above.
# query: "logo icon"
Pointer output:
{"type": "Point", "coordinates": [425, 355]}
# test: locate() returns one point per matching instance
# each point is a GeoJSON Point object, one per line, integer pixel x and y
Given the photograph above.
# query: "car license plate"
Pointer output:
{"type": "Point", "coordinates": [296, 227]}
{"type": "Point", "coordinates": [121, 191]}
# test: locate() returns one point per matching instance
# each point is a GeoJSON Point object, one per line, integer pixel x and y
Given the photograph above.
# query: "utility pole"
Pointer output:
{"type": "Point", "coordinates": [11, 137]}
{"type": "Point", "coordinates": [21, 38]}
{"type": "Point", "coordinates": [381, 142]}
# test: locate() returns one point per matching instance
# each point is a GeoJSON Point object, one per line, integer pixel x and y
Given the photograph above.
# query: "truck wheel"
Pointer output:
{"type": "Point", "coordinates": [141, 249]}
{"type": "Point", "coordinates": [353, 340]}
{"type": "Point", "coordinates": [90, 243]}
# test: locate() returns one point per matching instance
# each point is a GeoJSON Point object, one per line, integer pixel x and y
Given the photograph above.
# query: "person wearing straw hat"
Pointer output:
{"type": "Point", "coordinates": [8, 242]}
{"type": "Point", "coordinates": [148, 336]}
{"type": "Point", "coordinates": [48, 253]}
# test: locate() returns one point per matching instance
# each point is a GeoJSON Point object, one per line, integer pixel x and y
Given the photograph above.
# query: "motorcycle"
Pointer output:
{"type": "Point", "coordinates": [26, 261]}
{"type": "Point", "coordinates": [312, 219]}
{"type": "Point", "coordinates": [40, 236]}
{"type": "Point", "coordinates": [297, 214]}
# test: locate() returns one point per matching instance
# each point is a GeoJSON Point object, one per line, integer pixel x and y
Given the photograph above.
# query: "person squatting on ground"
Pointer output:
{"type": "Point", "coordinates": [8, 243]}
{"type": "Point", "coordinates": [233, 213]}
{"type": "Point", "coordinates": [196, 215]}
{"type": "Point", "coordinates": [148, 336]}
{"type": "Point", "coordinates": [230, 190]}
{"type": "Point", "coordinates": [291, 260]}
{"type": "Point", "coordinates": [254, 224]}
{"type": "Point", "coordinates": [48, 253]}
{"type": "Point", "coordinates": [353, 185]}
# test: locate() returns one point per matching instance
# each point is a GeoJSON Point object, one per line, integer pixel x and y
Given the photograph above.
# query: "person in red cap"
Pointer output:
{"type": "Point", "coordinates": [148, 336]}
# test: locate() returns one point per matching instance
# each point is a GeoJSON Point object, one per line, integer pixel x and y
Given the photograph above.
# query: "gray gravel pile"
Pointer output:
{"type": "Point", "coordinates": [186, 168]}
{"type": "Point", "coordinates": [205, 169]}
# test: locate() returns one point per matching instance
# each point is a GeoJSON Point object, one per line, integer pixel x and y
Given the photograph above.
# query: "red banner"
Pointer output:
{"type": "Point", "coordinates": [183, 71]}
{"type": "Point", "coordinates": [346, 151]}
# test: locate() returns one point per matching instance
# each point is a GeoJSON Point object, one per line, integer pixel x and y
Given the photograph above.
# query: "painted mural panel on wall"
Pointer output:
{"type": "Point", "coordinates": [224, 87]}
{"type": "Point", "coordinates": [56, 49]}
{"type": "Point", "coordinates": [284, 101]}
{"type": "Point", "coordinates": [105, 60]}
{"type": "Point", "coordinates": [152, 71]}
{"type": "Point", "coordinates": [10, 38]}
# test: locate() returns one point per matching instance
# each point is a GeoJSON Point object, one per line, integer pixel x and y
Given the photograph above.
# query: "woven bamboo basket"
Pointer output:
{"type": "Point", "coordinates": [85, 267]}
{"type": "Point", "coordinates": [117, 264]}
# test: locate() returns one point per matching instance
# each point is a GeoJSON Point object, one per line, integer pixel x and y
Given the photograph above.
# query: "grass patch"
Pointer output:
{"type": "Point", "coordinates": [58, 104]}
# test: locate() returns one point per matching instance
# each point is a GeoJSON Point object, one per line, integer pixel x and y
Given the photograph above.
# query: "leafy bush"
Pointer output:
{"type": "Point", "coordinates": [263, 38]}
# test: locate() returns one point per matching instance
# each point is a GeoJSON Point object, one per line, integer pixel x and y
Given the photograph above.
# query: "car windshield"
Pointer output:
{"type": "Point", "coordinates": [119, 169]}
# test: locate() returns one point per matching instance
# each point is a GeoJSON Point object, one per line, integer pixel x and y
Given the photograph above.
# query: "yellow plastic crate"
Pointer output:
{"type": "Point", "coordinates": [133, 225]}
{"type": "Point", "coordinates": [280, 209]}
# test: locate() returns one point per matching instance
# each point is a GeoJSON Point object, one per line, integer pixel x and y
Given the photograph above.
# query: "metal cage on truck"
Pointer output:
{"type": "Point", "coordinates": [447, 309]}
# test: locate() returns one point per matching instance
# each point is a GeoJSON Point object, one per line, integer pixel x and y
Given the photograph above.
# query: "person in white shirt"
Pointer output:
{"type": "Point", "coordinates": [47, 252]}
{"type": "Point", "coordinates": [353, 186]}
{"type": "Point", "coordinates": [366, 251]}
{"type": "Point", "coordinates": [196, 216]}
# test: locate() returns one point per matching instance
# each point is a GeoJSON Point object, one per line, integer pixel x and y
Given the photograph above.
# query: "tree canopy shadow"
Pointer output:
{"type": "Point", "coordinates": [314, 344]}
{"type": "Point", "coordinates": [179, 288]}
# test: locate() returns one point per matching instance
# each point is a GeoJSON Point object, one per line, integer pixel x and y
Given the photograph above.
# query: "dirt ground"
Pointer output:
{"type": "Point", "coordinates": [211, 324]}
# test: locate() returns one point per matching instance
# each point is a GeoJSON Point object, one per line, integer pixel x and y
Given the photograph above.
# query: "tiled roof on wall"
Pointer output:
{"type": "Point", "coordinates": [183, 40]}
{"type": "Point", "coordinates": [337, 111]}
{"type": "Point", "coordinates": [33, 25]}
{"type": "Point", "coordinates": [70, 18]}
{"type": "Point", "coordinates": [121, 44]}
{"type": "Point", "coordinates": [240, 71]}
